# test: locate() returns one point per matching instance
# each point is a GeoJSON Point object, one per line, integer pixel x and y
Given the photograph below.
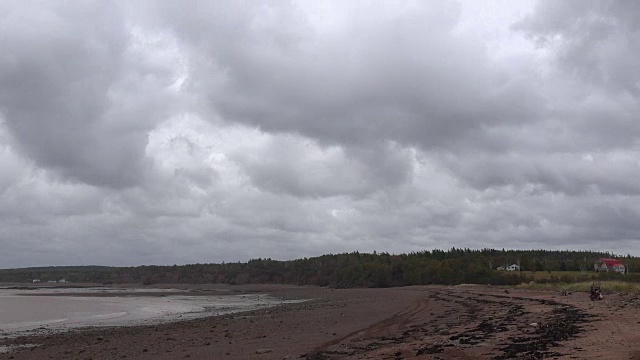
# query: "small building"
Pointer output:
{"type": "Point", "coordinates": [606, 265]}
{"type": "Point", "coordinates": [513, 267]}
{"type": "Point", "coordinates": [35, 281]}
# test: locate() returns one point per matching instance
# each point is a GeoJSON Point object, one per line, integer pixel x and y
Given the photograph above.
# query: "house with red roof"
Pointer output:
{"type": "Point", "coordinates": [604, 265]}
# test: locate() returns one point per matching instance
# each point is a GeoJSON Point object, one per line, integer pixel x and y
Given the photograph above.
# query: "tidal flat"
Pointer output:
{"type": "Point", "coordinates": [55, 309]}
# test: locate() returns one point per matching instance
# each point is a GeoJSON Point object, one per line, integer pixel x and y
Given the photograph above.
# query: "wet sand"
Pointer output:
{"type": "Point", "coordinates": [58, 309]}
{"type": "Point", "coordinates": [425, 322]}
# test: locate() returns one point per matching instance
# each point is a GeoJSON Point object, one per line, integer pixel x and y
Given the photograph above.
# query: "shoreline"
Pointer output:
{"type": "Point", "coordinates": [425, 322]}
{"type": "Point", "coordinates": [29, 313]}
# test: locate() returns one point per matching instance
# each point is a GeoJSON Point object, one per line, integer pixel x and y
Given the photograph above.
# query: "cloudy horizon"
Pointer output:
{"type": "Point", "coordinates": [158, 132]}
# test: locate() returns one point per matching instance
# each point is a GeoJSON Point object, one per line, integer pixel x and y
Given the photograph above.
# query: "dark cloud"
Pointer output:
{"type": "Point", "coordinates": [402, 75]}
{"type": "Point", "coordinates": [75, 95]}
{"type": "Point", "coordinates": [292, 167]}
{"type": "Point", "coordinates": [573, 174]}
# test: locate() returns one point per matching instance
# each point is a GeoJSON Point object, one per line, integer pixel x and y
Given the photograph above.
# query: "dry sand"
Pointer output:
{"type": "Point", "coordinates": [422, 322]}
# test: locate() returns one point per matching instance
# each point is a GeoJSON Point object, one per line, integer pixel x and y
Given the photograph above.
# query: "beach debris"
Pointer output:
{"type": "Point", "coordinates": [430, 349]}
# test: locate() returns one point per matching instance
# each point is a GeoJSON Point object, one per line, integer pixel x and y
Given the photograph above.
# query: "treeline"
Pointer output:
{"type": "Point", "coordinates": [56, 273]}
{"type": "Point", "coordinates": [453, 266]}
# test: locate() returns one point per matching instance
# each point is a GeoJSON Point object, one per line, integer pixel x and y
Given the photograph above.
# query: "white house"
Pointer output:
{"type": "Point", "coordinates": [513, 267]}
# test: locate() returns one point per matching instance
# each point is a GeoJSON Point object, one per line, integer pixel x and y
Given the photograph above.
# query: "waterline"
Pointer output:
{"type": "Point", "coordinates": [28, 311]}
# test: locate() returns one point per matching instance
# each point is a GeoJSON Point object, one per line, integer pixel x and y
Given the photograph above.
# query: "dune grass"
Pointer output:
{"type": "Point", "coordinates": [541, 275]}
{"type": "Point", "coordinates": [610, 286]}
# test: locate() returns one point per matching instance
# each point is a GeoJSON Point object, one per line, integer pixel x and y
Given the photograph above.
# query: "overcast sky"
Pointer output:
{"type": "Point", "coordinates": [165, 132]}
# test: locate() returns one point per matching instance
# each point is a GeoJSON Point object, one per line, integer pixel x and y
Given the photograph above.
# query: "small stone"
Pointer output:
{"type": "Point", "coordinates": [263, 351]}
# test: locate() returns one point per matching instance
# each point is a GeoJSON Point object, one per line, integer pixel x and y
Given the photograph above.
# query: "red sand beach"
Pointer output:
{"type": "Point", "coordinates": [421, 322]}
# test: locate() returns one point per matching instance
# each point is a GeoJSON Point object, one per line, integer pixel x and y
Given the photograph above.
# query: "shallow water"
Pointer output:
{"type": "Point", "coordinates": [23, 312]}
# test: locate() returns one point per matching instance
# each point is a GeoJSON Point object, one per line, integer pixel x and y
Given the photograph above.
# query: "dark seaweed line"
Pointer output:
{"type": "Point", "coordinates": [484, 329]}
{"type": "Point", "coordinates": [565, 324]}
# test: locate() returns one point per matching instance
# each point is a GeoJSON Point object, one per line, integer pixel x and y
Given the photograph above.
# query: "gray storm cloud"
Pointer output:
{"type": "Point", "coordinates": [76, 94]}
{"type": "Point", "coordinates": [401, 75]}
{"type": "Point", "coordinates": [149, 132]}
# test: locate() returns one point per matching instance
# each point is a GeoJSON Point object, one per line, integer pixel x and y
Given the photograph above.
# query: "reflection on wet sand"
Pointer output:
{"type": "Point", "coordinates": [22, 311]}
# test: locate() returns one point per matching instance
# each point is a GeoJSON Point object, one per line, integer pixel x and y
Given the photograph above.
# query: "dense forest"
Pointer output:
{"type": "Point", "coordinates": [355, 269]}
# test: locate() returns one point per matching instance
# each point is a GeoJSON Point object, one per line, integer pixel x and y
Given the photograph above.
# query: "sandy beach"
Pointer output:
{"type": "Point", "coordinates": [422, 322]}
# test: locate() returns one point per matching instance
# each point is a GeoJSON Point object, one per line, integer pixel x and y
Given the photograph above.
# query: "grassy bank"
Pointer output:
{"type": "Point", "coordinates": [544, 275]}
{"type": "Point", "coordinates": [607, 286]}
